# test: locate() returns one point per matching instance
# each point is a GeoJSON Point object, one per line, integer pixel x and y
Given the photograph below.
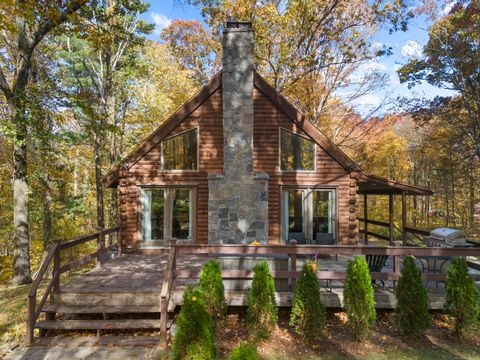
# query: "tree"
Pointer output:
{"type": "Point", "coordinates": [262, 312]}
{"type": "Point", "coordinates": [103, 44]}
{"type": "Point", "coordinates": [194, 338]}
{"type": "Point", "coordinates": [211, 286]}
{"type": "Point", "coordinates": [411, 315]}
{"type": "Point", "coordinates": [462, 297]}
{"type": "Point", "coordinates": [452, 61]}
{"type": "Point", "coordinates": [308, 315]}
{"type": "Point", "coordinates": [358, 298]}
{"type": "Point", "coordinates": [310, 50]}
{"type": "Point", "coordinates": [194, 46]}
{"type": "Point", "coordinates": [33, 21]}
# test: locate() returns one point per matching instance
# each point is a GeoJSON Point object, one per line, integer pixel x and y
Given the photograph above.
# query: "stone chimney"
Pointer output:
{"type": "Point", "coordinates": [238, 198]}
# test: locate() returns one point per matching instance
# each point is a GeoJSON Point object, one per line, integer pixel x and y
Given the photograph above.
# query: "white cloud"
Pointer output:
{"type": "Point", "coordinates": [160, 21]}
{"type": "Point", "coordinates": [411, 49]}
{"type": "Point", "coordinates": [368, 100]}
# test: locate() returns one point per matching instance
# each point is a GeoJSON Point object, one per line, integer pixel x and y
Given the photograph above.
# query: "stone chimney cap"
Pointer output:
{"type": "Point", "coordinates": [238, 26]}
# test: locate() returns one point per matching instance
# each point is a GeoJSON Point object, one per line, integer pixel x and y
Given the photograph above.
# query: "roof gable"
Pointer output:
{"type": "Point", "coordinates": [155, 137]}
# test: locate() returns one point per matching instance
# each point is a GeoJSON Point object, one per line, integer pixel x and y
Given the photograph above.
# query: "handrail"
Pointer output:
{"type": "Point", "coordinates": [165, 292]}
{"type": "Point", "coordinates": [53, 253]}
{"type": "Point", "coordinates": [43, 268]}
{"type": "Point", "coordinates": [325, 250]}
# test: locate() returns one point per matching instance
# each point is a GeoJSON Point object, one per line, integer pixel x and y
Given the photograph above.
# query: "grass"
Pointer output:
{"type": "Point", "coordinates": [13, 311]}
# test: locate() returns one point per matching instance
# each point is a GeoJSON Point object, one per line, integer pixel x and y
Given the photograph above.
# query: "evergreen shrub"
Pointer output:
{"type": "Point", "coordinates": [308, 315]}
{"type": "Point", "coordinates": [211, 286]}
{"type": "Point", "coordinates": [194, 338]}
{"type": "Point", "coordinates": [262, 312]}
{"type": "Point", "coordinates": [246, 351]}
{"type": "Point", "coordinates": [411, 315]}
{"type": "Point", "coordinates": [461, 295]}
{"type": "Point", "coordinates": [358, 298]}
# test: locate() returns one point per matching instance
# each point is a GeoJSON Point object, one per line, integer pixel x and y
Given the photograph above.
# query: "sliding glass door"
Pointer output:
{"type": "Point", "coordinates": [167, 213]}
{"type": "Point", "coordinates": [309, 215]}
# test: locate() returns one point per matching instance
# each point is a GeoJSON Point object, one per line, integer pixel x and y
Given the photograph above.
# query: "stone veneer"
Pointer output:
{"type": "Point", "coordinates": [238, 198]}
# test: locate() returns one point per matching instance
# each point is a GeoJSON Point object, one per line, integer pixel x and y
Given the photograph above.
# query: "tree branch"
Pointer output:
{"type": "Point", "coordinates": [50, 24]}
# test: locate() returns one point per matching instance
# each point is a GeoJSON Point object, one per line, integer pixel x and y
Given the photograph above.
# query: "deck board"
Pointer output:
{"type": "Point", "coordinates": [135, 280]}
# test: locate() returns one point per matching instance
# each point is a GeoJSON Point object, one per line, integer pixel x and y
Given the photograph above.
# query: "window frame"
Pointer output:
{"type": "Point", "coordinates": [280, 128]}
{"type": "Point", "coordinates": [162, 159]}
{"type": "Point", "coordinates": [168, 213]}
{"type": "Point", "coordinates": [307, 210]}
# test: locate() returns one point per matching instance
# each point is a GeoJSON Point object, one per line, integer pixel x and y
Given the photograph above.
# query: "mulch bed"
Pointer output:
{"type": "Point", "coordinates": [338, 339]}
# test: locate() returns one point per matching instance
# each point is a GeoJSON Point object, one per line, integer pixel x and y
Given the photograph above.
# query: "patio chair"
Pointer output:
{"type": "Point", "coordinates": [376, 263]}
{"type": "Point", "coordinates": [299, 236]}
{"type": "Point", "coordinates": [325, 239]}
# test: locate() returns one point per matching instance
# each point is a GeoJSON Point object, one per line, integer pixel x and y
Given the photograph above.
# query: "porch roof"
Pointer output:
{"type": "Point", "coordinates": [376, 185]}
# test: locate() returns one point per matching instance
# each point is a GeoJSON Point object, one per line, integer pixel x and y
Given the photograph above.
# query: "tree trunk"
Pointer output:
{"type": "Point", "coordinates": [47, 211]}
{"type": "Point", "coordinates": [98, 179]}
{"type": "Point", "coordinates": [21, 239]}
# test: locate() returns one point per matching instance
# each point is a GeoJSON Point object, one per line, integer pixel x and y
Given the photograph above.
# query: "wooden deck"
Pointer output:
{"type": "Point", "coordinates": [136, 280]}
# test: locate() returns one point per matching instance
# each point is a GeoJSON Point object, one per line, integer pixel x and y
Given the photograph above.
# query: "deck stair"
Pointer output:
{"type": "Point", "coordinates": [60, 318]}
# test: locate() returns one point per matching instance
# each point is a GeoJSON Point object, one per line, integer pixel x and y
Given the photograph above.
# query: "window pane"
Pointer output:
{"type": "Point", "coordinates": [295, 215]}
{"type": "Point", "coordinates": [180, 152]}
{"type": "Point", "coordinates": [181, 217]}
{"type": "Point", "coordinates": [154, 204]}
{"type": "Point", "coordinates": [323, 217]}
{"type": "Point", "coordinates": [296, 152]}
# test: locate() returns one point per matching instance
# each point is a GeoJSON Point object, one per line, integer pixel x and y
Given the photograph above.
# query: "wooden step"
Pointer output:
{"type": "Point", "coordinates": [99, 324]}
{"type": "Point", "coordinates": [99, 309]}
{"type": "Point", "coordinates": [89, 341]}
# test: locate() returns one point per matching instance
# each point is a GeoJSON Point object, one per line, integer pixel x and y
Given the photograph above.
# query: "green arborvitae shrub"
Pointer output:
{"type": "Point", "coordinates": [262, 310]}
{"type": "Point", "coordinates": [411, 316]}
{"type": "Point", "coordinates": [308, 315]}
{"type": "Point", "coordinates": [358, 297]}
{"type": "Point", "coordinates": [211, 286]}
{"type": "Point", "coordinates": [461, 295]}
{"type": "Point", "coordinates": [194, 338]}
{"type": "Point", "coordinates": [246, 351]}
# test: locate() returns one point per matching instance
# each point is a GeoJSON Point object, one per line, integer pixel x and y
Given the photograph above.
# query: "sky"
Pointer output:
{"type": "Point", "coordinates": [405, 45]}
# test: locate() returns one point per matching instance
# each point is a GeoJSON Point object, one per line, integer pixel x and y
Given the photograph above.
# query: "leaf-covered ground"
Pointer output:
{"type": "Point", "coordinates": [338, 343]}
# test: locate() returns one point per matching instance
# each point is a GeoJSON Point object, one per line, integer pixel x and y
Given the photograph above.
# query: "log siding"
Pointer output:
{"type": "Point", "coordinates": [208, 118]}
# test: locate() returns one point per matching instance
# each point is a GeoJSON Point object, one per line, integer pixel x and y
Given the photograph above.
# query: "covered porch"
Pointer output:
{"type": "Point", "coordinates": [371, 185]}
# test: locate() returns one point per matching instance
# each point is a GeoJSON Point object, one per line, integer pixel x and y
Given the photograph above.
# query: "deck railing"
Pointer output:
{"type": "Point", "coordinates": [385, 224]}
{"type": "Point", "coordinates": [313, 250]}
{"type": "Point", "coordinates": [54, 253]}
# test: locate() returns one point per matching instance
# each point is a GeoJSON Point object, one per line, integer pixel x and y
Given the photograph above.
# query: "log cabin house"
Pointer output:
{"type": "Point", "coordinates": [238, 163]}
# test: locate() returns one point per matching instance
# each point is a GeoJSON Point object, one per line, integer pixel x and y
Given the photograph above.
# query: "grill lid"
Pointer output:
{"type": "Point", "coordinates": [449, 235]}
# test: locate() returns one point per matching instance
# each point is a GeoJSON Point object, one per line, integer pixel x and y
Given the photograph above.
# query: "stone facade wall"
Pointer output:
{"type": "Point", "coordinates": [238, 198]}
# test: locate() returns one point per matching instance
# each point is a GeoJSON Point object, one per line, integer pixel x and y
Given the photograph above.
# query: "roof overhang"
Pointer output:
{"type": "Point", "coordinates": [376, 185]}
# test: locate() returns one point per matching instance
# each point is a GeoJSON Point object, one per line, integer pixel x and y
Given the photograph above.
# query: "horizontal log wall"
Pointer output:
{"type": "Point", "coordinates": [268, 118]}
{"type": "Point", "coordinates": [209, 120]}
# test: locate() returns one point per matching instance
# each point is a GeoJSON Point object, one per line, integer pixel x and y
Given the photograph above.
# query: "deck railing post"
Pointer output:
{"type": "Point", "coordinates": [100, 246]}
{"type": "Point", "coordinates": [32, 303]}
{"type": "Point", "coordinates": [404, 218]}
{"type": "Point", "coordinates": [293, 265]}
{"type": "Point", "coordinates": [390, 217]}
{"type": "Point", "coordinates": [365, 217]}
{"type": "Point", "coordinates": [173, 243]}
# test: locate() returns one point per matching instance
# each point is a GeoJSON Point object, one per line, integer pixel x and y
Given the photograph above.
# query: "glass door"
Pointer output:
{"type": "Point", "coordinates": [167, 213]}
{"type": "Point", "coordinates": [308, 215]}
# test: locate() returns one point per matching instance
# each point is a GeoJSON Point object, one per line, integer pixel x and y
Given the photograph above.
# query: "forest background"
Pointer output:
{"type": "Point", "coordinates": [83, 81]}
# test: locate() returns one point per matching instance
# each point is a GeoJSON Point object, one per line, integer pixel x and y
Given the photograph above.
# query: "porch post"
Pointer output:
{"type": "Point", "coordinates": [390, 216]}
{"type": "Point", "coordinates": [365, 217]}
{"type": "Point", "coordinates": [404, 217]}
{"type": "Point", "coordinates": [100, 247]}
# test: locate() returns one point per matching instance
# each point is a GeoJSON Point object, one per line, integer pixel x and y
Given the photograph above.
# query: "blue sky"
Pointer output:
{"type": "Point", "coordinates": [404, 46]}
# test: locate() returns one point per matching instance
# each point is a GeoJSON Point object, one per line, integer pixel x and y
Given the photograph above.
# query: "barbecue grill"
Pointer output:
{"type": "Point", "coordinates": [449, 237]}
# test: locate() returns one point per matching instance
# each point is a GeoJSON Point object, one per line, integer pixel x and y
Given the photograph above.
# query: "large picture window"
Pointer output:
{"type": "Point", "coordinates": [308, 215]}
{"type": "Point", "coordinates": [180, 152]}
{"type": "Point", "coordinates": [167, 213]}
{"type": "Point", "coordinates": [296, 152]}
